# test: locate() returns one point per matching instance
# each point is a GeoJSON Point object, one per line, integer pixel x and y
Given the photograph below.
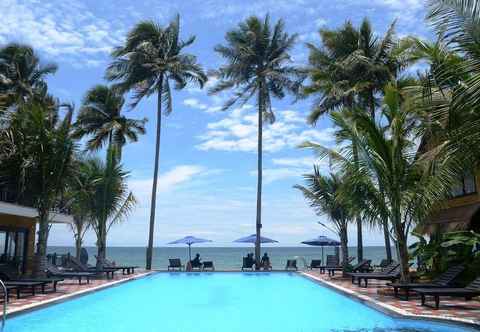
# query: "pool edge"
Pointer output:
{"type": "Point", "coordinates": [67, 297]}
{"type": "Point", "coordinates": [389, 309]}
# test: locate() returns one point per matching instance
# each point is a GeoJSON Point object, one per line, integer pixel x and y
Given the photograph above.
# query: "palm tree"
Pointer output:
{"type": "Point", "coordinates": [326, 196]}
{"type": "Point", "coordinates": [100, 118]}
{"type": "Point", "coordinates": [151, 58]}
{"type": "Point", "coordinates": [36, 158]}
{"type": "Point", "coordinates": [107, 200]}
{"type": "Point", "coordinates": [349, 71]}
{"type": "Point", "coordinates": [78, 193]}
{"type": "Point", "coordinates": [21, 72]}
{"type": "Point", "coordinates": [258, 65]}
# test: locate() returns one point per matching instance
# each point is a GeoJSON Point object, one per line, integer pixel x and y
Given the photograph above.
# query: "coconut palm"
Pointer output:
{"type": "Point", "coordinates": [350, 70]}
{"type": "Point", "coordinates": [152, 58]}
{"type": "Point", "coordinates": [258, 65]}
{"type": "Point", "coordinates": [101, 119]}
{"type": "Point", "coordinates": [36, 159]}
{"type": "Point", "coordinates": [21, 72]}
{"type": "Point", "coordinates": [107, 198]}
{"type": "Point", "coordinates": [325, 193]}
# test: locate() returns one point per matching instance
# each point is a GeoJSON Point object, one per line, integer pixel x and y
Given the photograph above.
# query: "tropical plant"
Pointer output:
{"type": "Point", "coordinates": [77, 196]}
{"type": "Point", "coordinates": [108, 200]}
{"type": "Point", "coordinates": [350, 70]}
{"type": "Point", "coordinates": [258, 65]}
{"type": "Point", "coordinates": [36, 158]}
{"type": "Point", "coordinates": [101, 119]}
{"type": "Point", "coordinates": [151, 58]}
{"type": "Point", "coordinates": [326, 196]}
{"type": "Point", "coordinates": [21, 72]}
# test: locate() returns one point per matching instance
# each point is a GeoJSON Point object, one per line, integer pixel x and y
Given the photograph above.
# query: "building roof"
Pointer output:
{"type": "Point", "coordinates": [451, 219]}
{"type": "Point", "coordinates": [24, 211]}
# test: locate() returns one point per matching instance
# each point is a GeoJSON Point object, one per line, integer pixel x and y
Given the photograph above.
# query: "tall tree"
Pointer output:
{"type": "Point", "coordinates": [325, 194]}
{"type": "Point", "coordinates": [152, 58]}
{"type": "Point", "coordinates": [258, 65]}
{"type": "Point", "coordinates": [37, 152]}
{"type": "Point", "coordinates": [101, 118]}
{"type": "Point", "coordinates": [108, 200]}
{"type": "Point", "coordinates": [350, 70]}
{"type": "Point", "coordinates": [21, 72]}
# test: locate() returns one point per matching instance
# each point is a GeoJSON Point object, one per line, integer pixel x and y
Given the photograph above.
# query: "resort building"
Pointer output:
{"type": "Point", "coordinates": [462, 210]}
{"type": "Point", "coordinates": [18, 232]}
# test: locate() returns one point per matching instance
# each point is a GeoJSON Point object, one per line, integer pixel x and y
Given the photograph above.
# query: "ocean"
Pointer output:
{"type": "Point", "coordinates": [224, 258]}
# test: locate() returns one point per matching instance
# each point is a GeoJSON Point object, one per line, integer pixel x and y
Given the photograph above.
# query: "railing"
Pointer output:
{"type": "Point", "coordinates": [5, 300]}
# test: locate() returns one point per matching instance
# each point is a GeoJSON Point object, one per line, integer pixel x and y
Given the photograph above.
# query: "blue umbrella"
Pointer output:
{"type": "Point", "coordinates": [322, 241]}
{"type": "Point", "coordinates": [189, 240]}
{"type": "Point", "coordinates": [253, 238]}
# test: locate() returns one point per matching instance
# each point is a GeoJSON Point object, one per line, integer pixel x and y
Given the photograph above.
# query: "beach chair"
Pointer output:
{"type": "Point", "coordinates": [332, 261]}
{"type": "Point", "coordinates": [315, 264]}
{"type": "Point", "coordinates": [8, 274]}
{"type": "Point", "coordinates": [208, 265]}
{"type": "Point", "coordinates": [291, 264]}
{"type": "Point", "coordinates": [53, 271]}
{"type": "Point", "coordinates": [29, 286]}
{"type": "Point", "coordinates": [196, 265]}
{"type": "Point", "coordinates": [247, 264]}
{"type": "Point", "coordinates": [78, 266]}
{"type": "Point", "coordinates": [470, 291]}
{"type": "Point", "coordinates": [392, 273]}
{"type": "Point", "coordinates": [442, 281]}
{"type": "Point", "coordinates": [175, 264]}
{"type": "Point", "coordinates": [126, 269]}
{"type": "Point", "coordinates": [363, 266]}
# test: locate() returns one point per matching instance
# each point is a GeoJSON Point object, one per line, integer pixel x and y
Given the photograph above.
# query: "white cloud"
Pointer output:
{"type": "Point", "coordinates": [167, 182]}
{"type": "Point", "coordinates": [297, 162]}
{"type": "Point", "coordinates": [60, 29]}
{"type": "Point", "coordinates": [194, 103]}
{"type": "Point", "coordinates": [238, 132]}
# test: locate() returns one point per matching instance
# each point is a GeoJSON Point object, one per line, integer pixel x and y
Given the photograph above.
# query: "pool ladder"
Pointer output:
{"type": "Point", "coordinates": [5, 300]}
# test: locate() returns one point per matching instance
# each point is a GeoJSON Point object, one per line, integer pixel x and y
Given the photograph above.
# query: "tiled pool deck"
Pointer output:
{"type": "Point", "coordinates": [381, 296]}
{"type": "Point", "coordinates": [377, 294]}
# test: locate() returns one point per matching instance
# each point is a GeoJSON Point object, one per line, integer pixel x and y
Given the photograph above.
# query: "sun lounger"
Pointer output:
{"type": "Point", "coordinates": [291, 264]}
{"type": "Point", "coordinates": [53, 271]}
{"type": "Point", "coordinates": [10, 275]}
{"type": "Point", "coordinates": [175, 264]}
{"type": "Point", "coordinates": [208, 265]}
{"type": "Point", "coordinates": [315, 264]}
{"type": "Point", "coordinates": [442, 281]}
{"type": "Point", "coordinates": [126, 269]}
{"type": "Point", "coordinates": [29, 286]}
{"type": "Point", "coordinates": [391, 273]}
{"type": "Point", "coordinates": [332, 261]}
{"type": "Point", "coordinates": [80, 267]}
{"type": "Point", "coordinates": [470, 291]}
{"type": "Point", "coordinates": [10, 289]}
{"type": "Point", "coordinates": [363, 266]}
{"type": "Point", "coordinates": [247, 263]}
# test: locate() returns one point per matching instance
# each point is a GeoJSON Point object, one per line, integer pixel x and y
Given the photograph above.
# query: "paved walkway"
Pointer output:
{"type": "Point", "coordinates": [65, 289]}
{"type": "Point", "coordinates": [379, 294]}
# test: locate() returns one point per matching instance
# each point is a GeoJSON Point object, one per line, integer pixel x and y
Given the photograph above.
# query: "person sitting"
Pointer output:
{"type": "Point", "coordinates": [266, 262]}
{"type": "Point", "coordinates": [196, 262]}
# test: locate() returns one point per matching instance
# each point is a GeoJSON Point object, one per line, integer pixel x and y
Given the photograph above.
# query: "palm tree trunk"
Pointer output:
{"type": "Point", "coordinates": [78, 246]}
{"type": "Point", "coordinates": [401, 242]}
{"type": "Point", "coordinates": [344, 244]}
{"type": "Point", "coordinates": [41, 254]}
{"type": "Point", "coordinates": [388, 245]}
{"type": "Point", "coordinates": [102, 244]}
{"type": "Point", "coordinates": [155, 178]}
{"type": "Point", "coordinates": [259, 178]}
{"type": "Point", "coordinates": [358, 218]}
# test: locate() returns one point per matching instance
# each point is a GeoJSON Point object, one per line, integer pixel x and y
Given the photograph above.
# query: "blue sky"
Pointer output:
{"type": "Point", "coordinates": [208, 161]}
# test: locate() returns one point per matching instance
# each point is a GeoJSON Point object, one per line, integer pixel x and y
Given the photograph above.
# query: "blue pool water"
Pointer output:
{"type": "Point", "coordinates": [226, 302]}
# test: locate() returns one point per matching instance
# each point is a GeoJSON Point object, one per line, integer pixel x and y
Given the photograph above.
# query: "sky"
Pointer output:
{"type": "Point", "coordinates": [207, 184]}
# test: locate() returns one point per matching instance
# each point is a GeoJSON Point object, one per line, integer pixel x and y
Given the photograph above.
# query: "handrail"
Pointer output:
{"type": "Point", "coordinates": [5, 300]}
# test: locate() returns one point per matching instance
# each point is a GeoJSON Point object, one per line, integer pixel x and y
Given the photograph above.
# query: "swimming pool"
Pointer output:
{"type": "Point", "coordinates": [210, 302]}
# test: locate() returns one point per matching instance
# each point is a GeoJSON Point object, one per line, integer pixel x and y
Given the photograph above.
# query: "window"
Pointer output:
{"type": "Point", "coordinates": [465, 186]}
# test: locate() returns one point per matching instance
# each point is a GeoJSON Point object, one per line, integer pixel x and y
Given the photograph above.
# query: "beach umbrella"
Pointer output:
{"type": "Point", "coordinates": [322, 241]}
{"type": "Point", "coordinates": [253, 238]}
{"type": "Point", "coordinates": [189, 240]}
